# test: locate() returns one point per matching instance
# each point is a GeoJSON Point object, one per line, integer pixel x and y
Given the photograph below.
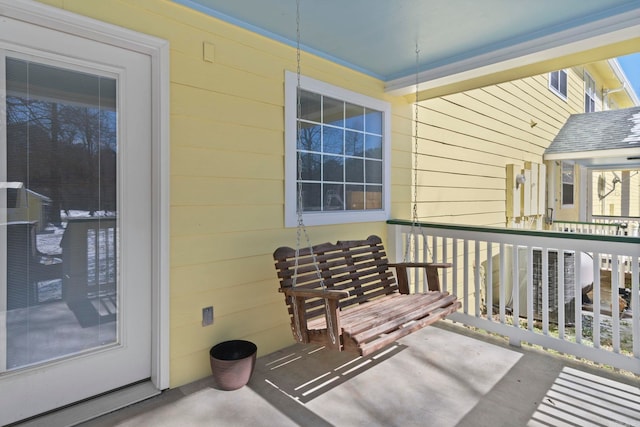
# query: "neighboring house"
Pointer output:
{"type": "Point", "coordinates": [603, 150]}
{"type": "Point", "coordinates": [468, 139]}
{"type": "Point", "coordinates": [206, 125]}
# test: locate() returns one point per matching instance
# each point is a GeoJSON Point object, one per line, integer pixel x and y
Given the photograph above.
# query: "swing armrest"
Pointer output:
{"type": "Point", "coordinates": [421, 264]}
{"type": "Point", "coordinates": [315, 293]}
{"type": "Point", "coordinates": [433, 280]}
{"type": "Point", "coordinates": [331, 298]}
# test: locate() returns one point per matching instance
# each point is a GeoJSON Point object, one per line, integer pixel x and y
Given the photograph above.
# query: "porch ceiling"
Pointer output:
{"type": "Point", "coordinates": [458, 40]}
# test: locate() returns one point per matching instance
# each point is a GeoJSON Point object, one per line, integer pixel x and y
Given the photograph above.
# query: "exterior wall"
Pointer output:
{"type": "Point", "coordinates": [467, 139]}
{"type": "Point", "coordinates": [613, 204]}
{"type": "Point", "coordinates": [227, 174]}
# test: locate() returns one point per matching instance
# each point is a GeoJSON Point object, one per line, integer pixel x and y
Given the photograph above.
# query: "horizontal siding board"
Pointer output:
{"type": "Point", "coordinates": [203, 132]}
{"type": "Point", "coordinates": [453, 136]}
{"type": "Point", "coordinates": [199, 190]}
{"type": "Point", "coordinates": [225, 164]}
{"type": "Point", "coordinates": [489, 116]}
{"type": "Point", "coordinates": [441, 192]}
{"type": "Point", "coordinates": [485, 218]}
{"type": "Point", "coordinates": [439, 151]}
{"type": "Point", "coordinates": [485, 126]}
{"type": "Point", "coordinates": [442, 164]}
{"type": "Point", "coordinates": [226, 274]}
{"type": "Point", "coordinates": [462, 207]}
{"type": "Point", "coordinates": [479, 132]}
{"type": "Point", "coordinates": [460, 180]}
{"type": "Point", "coordinates": [217, 77]}
{"type": "Point", "coordinates": [194, 102]}
{"type": "Point", "coordinates": [205, 220]}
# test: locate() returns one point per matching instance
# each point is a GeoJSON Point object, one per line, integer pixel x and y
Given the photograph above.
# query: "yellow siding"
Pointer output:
{"type": "Point", "coordinates": [227, 173]}
{"type": "Point", "coordinates": [467, 139]}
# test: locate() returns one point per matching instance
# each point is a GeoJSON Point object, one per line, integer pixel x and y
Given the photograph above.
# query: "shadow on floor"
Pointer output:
{"type": "Point", "coordinates": [445, 375]}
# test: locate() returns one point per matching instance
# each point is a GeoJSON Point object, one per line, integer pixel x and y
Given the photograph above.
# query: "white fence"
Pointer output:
{"type": "Point", "coordinates": [538, 278]}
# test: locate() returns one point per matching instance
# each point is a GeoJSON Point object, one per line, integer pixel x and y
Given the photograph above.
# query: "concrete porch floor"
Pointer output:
{"type": "Point", "coordinates": [443, 375]}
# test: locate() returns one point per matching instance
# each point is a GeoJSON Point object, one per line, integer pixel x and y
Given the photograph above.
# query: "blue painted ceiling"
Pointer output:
{"type": "Point", "coordinates": [379, 37]}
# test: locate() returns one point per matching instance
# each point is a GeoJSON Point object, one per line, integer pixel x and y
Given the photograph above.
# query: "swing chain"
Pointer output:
{"type": "Point", "coordinates": [301, 228]}
{"type": "Point", "coordinates": [409, 249]}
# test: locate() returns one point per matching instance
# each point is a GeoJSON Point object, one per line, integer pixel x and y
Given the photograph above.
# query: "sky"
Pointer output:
{"type": "Point", "coordinates": [630, 64]}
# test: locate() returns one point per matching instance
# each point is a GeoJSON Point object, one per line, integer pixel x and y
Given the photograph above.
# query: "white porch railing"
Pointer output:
{"type": "Point", "coordinates": [610, 229]}
{"type": "Point", "coordinates": [549, 307]}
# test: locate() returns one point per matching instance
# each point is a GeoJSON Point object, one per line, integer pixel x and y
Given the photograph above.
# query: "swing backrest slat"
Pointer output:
{"type": "Point", "coordinates": [359, 267]}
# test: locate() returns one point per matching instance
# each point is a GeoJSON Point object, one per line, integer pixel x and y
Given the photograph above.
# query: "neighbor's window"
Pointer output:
{"type": "Point", "coordinates": [589, 94]}
{"type": "Point", "coordinates": [338, 163]}
{"type": "Point", "coordinates": [567, 184]}
{"type": "Point", "coordinates": [558, 83]}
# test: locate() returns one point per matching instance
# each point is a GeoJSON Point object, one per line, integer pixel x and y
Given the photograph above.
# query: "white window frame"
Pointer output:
{"type": "Point", "coordinates": [557, 90]}
{"type": "Point", "coordinates": [589, 92]}
{"type": "Point", "coordinates": [290, 177]}
{"type": "Point", "coordinates": [573, 184]}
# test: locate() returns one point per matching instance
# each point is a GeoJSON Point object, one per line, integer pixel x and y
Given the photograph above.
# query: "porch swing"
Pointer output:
{"type": "Point", "coordinates": [344, 295]}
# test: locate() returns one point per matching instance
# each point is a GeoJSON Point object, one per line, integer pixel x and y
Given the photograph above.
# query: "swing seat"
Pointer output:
{"type": "Point", "coordinates": [361, 307]}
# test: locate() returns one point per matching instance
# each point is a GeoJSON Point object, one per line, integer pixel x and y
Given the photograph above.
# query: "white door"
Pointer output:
{"type": "Point", "coordinates": [75, 219]}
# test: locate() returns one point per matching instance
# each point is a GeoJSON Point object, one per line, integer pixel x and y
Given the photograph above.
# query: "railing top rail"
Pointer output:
{"type": "Point", "coordinates": [598, 224]}
{"type": "Point", "coordinates": [519, 232]}
{"type": "Point", "coordinates": [616, 218]}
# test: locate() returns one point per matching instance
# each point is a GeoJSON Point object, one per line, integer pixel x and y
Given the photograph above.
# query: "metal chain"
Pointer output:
{"type": "Point", "coordinates": [301, 228]}
{"type": "Point", "coordinates": [414, 213]}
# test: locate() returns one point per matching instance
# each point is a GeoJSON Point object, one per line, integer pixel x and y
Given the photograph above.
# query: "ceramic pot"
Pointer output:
{"type": "Point", "coordinates": [232, 363]}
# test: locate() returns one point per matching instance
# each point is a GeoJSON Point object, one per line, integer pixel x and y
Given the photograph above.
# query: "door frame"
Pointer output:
{"type": "Point", "coordinates": [158, 50]}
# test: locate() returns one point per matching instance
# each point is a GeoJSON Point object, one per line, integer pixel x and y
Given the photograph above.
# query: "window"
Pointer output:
{"type": "Point", "coordinates": [558, 83]}
{"type": "Point", "coordinates": [338, 164]}
{"type": "Point", "coordinates": [567, 184]}
{"type": "Point", "coordinates": [589, 94]}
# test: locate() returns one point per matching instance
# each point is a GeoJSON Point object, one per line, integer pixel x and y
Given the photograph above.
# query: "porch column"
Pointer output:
{"type": "Point", "coordinates": [625, 193]}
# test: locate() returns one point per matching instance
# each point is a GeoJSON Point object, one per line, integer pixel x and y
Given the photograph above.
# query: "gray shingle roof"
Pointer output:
{"type": "Point", "coordinates": [603, 130]}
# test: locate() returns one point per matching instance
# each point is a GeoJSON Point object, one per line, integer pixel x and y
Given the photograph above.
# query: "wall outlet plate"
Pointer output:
{"type": "Point", "coordinates": [207, 316]}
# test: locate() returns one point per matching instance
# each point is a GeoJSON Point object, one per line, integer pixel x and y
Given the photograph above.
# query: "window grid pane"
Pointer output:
{"type": "Point", "coordinates": [334, 139]}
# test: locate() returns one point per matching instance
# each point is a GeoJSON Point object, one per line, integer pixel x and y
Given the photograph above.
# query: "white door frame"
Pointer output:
{"type": "Point", "coordinates": [158, 50]}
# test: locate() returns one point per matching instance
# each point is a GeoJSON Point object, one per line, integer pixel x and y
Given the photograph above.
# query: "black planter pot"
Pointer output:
{"type": "Point", "coordinates": [232, 363]}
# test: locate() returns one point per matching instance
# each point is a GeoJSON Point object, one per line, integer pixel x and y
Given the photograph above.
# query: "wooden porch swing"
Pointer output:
{"type": "Point", "coordinates": [355, 303]}
{"type": "Point", "coordinates": [345, 295]}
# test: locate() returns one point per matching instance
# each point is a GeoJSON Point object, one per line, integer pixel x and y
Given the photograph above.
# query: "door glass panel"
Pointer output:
{"type": "Point", "coordinates": [61, 213]}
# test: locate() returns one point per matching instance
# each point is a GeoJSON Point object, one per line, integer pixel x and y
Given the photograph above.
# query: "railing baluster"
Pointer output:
{"type": "Point", "coordinates": [545, 291]}
{"type": "Point", "coordinates": [465, 278]}
{"type": "Point", "coordinates": [454, 273]}
{"type": "Point", "coordinates": [616, 270]}
{"type": "Point", "coordinates": [595, 327]}
{"type": "Point", "coordinates": [578, 298]}
{"type": "Point", "coordinates": [489, 281]}
{"type": "Point", "coordinates": [476, 278]}
{"type": "Point", "coordinates": [529, 277]}
{"type": "Point", "coordinates": [445, 276]}
{"type": "Point", "coordinates": [503, 281]}
{"type": "Point", "coordinates": [560, 293]}
{"type": "Point", "coordinates": [635, 305]}
{"type": "Point", "coordinates": [515, 288]}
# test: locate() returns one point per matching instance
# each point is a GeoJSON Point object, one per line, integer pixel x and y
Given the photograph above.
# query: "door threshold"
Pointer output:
{"type": "Point", "coordinates": [95, 407]}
